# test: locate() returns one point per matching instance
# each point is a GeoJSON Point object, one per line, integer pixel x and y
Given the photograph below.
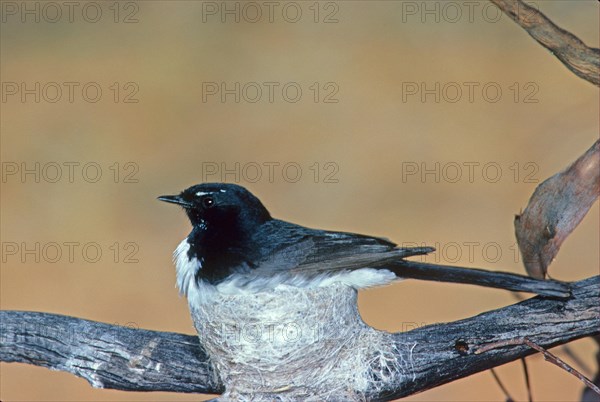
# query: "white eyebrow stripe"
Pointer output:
{"type": "Point", "coordinates": [199, 193]}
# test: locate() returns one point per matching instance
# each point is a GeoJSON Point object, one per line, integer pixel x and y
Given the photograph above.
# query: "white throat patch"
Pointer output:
{"type": "Point", "coordinates": [186, 268]}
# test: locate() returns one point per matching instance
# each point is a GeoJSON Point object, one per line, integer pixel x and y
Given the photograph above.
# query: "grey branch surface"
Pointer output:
{"type": "Point", "coordinates": [110, 356]}
{"type": "Point", "coordinates": [582, 60]}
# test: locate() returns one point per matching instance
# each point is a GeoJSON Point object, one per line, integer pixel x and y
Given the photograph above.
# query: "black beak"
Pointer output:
{"type": "Point", "coordinates": [175, 199]}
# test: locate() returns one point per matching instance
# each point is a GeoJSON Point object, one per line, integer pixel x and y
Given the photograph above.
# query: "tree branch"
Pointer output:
{"type": "Point", "coordinates": [445, 352]}
{"type": "Point", "coordinates": [116, 357]}
{"type": "Point", "coordinates": [107, 356]}
{"type": "Point", "coordinates": [582, 60]}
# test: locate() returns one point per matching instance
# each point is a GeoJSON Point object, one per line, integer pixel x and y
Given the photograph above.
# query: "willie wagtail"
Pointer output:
{"type": "Point", "coordinates": [236, 247]}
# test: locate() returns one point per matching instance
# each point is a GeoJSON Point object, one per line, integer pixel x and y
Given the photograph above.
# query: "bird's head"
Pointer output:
{"type": "Point", "coordinates": [220, 205]}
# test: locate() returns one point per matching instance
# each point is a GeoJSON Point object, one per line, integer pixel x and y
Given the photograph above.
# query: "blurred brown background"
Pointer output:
{"type": "Point", "coordinates": [156, 128]}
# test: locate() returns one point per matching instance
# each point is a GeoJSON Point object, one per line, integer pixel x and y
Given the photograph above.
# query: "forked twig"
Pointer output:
{"type": "Point", "coordinates": [508, 397]}
{"type": "Point", "coordinates": [547, 356]}
{"type": "Point", "coordinates": [527, 382]}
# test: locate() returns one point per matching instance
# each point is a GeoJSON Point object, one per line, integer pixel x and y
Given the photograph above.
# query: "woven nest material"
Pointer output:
{"type": "Point", "coordinates": [298, 344]}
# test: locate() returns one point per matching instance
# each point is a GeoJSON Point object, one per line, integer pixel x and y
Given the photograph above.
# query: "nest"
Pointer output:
{"type": "Point", "coordinates": [298, 344]}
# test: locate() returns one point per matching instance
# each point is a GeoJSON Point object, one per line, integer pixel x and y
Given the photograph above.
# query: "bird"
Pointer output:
{"type": "Point", "coordinates": [236, 247]}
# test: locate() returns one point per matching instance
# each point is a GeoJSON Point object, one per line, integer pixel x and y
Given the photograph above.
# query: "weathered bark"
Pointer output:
{"type": "Point", "coordinates": [110, 356]}
{"type": "Point", "coordinates": [582, 60]}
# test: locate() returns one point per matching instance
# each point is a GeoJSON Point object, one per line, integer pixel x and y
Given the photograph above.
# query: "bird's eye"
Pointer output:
{"type": "Point", "coordinates": [208, 202]}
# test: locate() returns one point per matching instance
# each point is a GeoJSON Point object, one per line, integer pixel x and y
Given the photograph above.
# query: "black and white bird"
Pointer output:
{"type": "Point", "coordinates": [236, 247]}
